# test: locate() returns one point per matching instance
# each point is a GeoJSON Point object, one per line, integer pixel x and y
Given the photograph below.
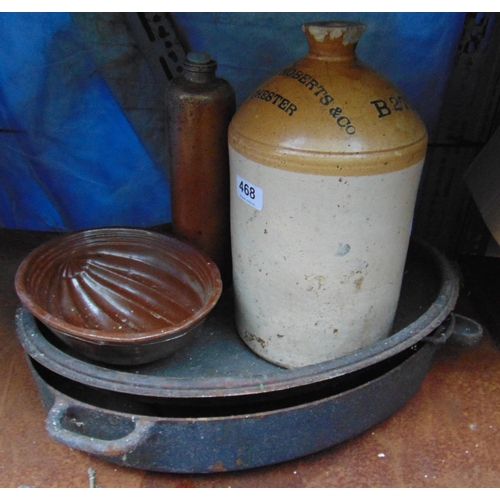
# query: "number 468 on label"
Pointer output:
{"type": "Point", "coordinates": [249, 193]}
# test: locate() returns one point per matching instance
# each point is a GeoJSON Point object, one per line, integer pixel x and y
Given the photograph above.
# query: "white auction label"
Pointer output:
{"type": "Point", "coordinates": [249, 193]}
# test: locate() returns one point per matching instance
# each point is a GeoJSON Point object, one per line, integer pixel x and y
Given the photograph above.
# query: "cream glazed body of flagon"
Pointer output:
{"type": "Point", "coordinates": [325, 162]}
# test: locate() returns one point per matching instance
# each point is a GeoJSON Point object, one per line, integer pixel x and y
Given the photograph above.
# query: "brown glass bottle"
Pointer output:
{"type": "Point", "coordinates": [199, 108]}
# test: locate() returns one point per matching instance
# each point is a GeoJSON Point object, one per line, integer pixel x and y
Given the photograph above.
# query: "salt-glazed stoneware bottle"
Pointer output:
{"type": "Point", "coordinates": [199, 107]}
{"type": "Point", "coordinates": [325, 162]}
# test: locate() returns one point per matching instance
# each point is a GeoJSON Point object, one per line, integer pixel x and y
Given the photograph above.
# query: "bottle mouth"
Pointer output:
{"type": "Point", "coordinates": [349, 32]}
{"type": "Point", "coordinates": [199, 62]}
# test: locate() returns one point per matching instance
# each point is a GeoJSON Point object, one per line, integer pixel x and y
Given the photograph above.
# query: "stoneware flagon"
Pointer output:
{"type": "Point", "coordinates": [325, 162]}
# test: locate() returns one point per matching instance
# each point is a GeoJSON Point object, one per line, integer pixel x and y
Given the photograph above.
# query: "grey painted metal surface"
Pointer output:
{"type": "Point", "coordinates": [231, 442]}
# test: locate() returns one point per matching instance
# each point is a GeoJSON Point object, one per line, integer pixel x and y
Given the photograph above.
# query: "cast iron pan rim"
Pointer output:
{"type": "Point", "coordinates": [146, 385]}
{"type": "Point", "coordinates": [297, 402]}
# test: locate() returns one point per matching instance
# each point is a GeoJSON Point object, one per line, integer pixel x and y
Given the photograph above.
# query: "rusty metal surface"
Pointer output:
{"type": "Point", "coordinates": [217, 364]}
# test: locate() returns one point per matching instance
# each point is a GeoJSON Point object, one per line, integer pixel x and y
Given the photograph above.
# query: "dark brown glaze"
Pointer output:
{"type": "Point", "coordinates": [103, 291]}
{"type": "Point", "coordinates": [118, 286]}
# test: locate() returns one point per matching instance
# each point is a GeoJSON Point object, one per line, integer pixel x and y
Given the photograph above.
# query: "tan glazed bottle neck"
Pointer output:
{"type": "Point", "coordinates": [333, 40]}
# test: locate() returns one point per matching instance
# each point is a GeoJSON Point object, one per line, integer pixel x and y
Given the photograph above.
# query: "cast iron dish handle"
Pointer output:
{"type": "Point", "coordinates": [92, 445]}
{"type": "Point", "coordinates": [457, 329]}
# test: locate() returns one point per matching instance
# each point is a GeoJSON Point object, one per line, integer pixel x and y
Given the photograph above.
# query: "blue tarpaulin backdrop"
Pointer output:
{"type": "Point", "coordinates": [69, 158]}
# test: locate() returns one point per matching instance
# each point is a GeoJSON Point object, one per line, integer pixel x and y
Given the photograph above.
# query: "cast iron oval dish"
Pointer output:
{"type": "Point", "coordinates": [217, 364]}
